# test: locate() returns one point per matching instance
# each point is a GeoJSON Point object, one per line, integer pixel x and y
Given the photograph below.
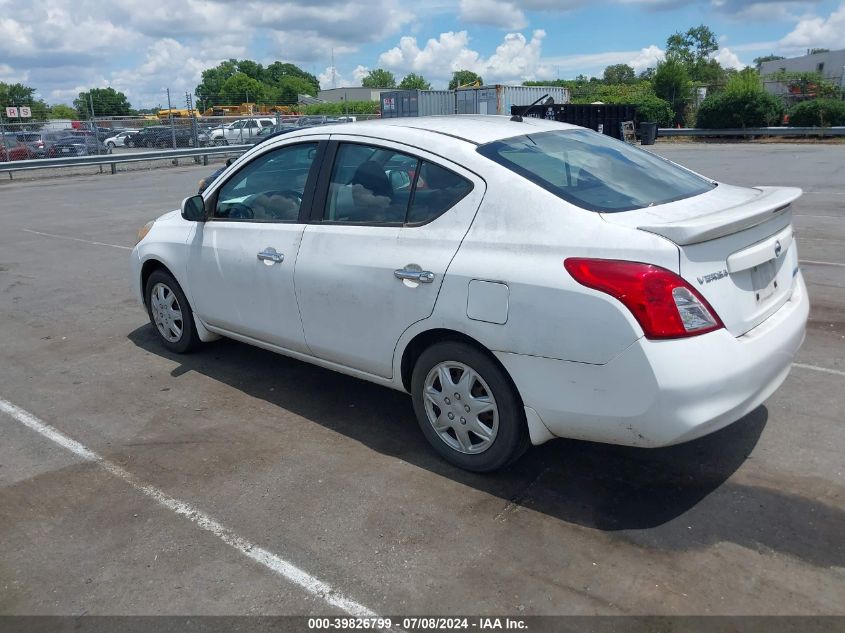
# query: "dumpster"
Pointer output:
{"type": "Point", "coordinates": [604, 118]}
{"type": "Point", "coordinates": [648, 132]}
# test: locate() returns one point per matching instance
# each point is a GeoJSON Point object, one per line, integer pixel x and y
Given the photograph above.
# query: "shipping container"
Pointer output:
{"type": "Point", "coordinates": [403, 103]}
{"type": "Point", "coordinates": [500, 99]}
{"type": "Point", "coordinates": [466, 101]}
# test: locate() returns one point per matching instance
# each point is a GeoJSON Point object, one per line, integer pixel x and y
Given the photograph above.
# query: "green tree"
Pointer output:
{"type": "Point", "coordinates": [106, 102]}
{"type": "Point", "coordinates": [61, 111]}
{"type": "Point", "coordinates": [241, 88]}
{"type": "Point", "coordinates": [251, 69]}
{"type": "Point", "coordinates": [821, 112]}
{"type": "Point", "coordinates": [694, 50]}
{"type": "Point", "coordinates": [672, 83]}
{"type": "Point", "coordinates": [696, 45]}
{"type": "Point", "coordinates": [211, 86]}
{"type": "Point", "coordinates": [758, 61]}
{"type": "Point", "coordinates": [813, 51]}
{"type": "Point", "coordinates": [379, 78]}
{"type": "Point", "coordinates": [619, 74]}
{"type": "Point", "coordinates": [287, 90]}
{"type": "Point", "coordinates": [21, 95]}
{"type": "Point", "coordinates": [464, 78]}
{"type": "Point", "coordinates": [414, 82]}
{"type": "Point", "coordinates": [277, 72]}
{"type": "Point", "coordinates": [743, 103]}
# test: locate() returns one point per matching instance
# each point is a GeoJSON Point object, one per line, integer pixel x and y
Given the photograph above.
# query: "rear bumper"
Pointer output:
{"type": "Point", "coordinates": [659, 393]}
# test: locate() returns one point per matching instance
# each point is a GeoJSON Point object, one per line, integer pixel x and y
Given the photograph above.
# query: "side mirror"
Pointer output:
{"type": "Point", "coordinates": [193, 209]}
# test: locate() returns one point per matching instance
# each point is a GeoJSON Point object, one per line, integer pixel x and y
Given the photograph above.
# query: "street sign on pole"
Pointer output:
{"type": "Point", "coordinates": [11, 112]}
{"type": "Point", "coordinates": [26, 112]}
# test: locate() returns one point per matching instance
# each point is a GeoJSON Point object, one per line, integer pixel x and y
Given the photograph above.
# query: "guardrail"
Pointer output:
{"type": "Point", "coordinates": [114, 159]}
{"type": "Point", "coordinates": [757, 131]}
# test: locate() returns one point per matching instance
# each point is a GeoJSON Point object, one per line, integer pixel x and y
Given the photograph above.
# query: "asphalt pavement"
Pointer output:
{"type": "Point", "coordinates": [168, 478]}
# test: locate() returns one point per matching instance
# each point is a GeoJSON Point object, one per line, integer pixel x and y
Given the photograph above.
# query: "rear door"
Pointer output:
{"type": "Point", "coordinates": [387, 223]}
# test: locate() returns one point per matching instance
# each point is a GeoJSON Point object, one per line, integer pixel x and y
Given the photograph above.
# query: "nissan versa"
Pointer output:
{"type": "Point", "coordinates": [521, 279]}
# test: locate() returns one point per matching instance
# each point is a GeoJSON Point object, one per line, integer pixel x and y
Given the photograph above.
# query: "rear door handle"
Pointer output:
{"type": "Point", "coordinates": [270, 254]}
{"type": "Point", "coordinates": [420, 276]}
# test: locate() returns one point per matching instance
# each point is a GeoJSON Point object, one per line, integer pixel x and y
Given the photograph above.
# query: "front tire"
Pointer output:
{"type": "Point", "coordinates": [468, 408]}
{"type": "Point", "coordinates": [170, 313]}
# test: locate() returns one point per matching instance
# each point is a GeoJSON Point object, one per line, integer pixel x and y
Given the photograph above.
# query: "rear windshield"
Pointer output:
{"type": "Point", "coordinates": [594, 171]}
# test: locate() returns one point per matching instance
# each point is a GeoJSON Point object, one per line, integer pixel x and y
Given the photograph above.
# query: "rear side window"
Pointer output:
{"type": "Point", "coordinates": [594, 171]}
{"type": "Point", "coordinates": [380, 186]}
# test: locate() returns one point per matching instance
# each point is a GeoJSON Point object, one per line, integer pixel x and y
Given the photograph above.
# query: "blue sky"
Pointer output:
{"type": "Point", "coordinates": [61, 47]}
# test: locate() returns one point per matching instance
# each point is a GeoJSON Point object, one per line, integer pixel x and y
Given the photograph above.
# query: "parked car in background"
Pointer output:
{"type": "Point", "coordinates": [522, 279]}
{"type": "Point", "coordinates": [241, 131]}
{"type": "Point", "coordinates": [119, 139]}
{"type": "Point", "coordinates": [162, 136]}
{"type": "Point", "coordinates": [271, 132]}
{"type": "Point", "coordinates": [13, 146]}
{"type": "Point", "coordinates": [320, 119]}
{"type": "Point", "coordinates": [145, 137]}
{"type": "Point", "coordinates": [77, 145]}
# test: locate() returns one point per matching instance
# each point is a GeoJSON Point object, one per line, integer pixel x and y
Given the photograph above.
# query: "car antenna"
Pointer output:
{"type": "Point", "coordinates": [548, 101]}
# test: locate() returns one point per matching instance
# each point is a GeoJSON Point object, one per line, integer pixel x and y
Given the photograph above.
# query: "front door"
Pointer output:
{"type": "Point", "coordinates": [241, 261]}
{"type": "Point", "coordinates": [391, 220]}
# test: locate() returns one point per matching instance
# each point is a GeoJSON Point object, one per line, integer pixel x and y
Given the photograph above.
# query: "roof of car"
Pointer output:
{"type": "Point", "coordinates": [473, 128]}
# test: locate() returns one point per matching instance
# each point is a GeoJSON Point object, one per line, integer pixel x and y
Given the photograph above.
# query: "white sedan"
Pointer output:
{"type": "Point", "coordinates": [118, 139]}
{"type": "Point", "coordinates": [521, 279]}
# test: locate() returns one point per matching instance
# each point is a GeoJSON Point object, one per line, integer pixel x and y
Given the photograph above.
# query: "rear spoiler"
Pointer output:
{"type": "Point", "coordinates": [771, 202]}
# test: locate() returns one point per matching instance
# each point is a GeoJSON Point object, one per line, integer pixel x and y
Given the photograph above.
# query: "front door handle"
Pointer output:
{"type": "Point", "coordinates": [420, 276]}
{"type": "Point", "coordinates": [270, 255]}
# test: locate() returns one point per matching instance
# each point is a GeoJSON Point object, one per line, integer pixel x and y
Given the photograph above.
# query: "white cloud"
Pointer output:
{"type": "Point", "coordinates": [167, 64]}
{"type": "Point", "coordinates": [359, 73]}
{"type": "Point", "coordinates": [10, 76]}
{"type": "Point", "coordinates": [493, 13]}
{"type": "Point", "coordinates": [647, 58]}
{"type": "Point", "coordinates": [817, 32]}
{"type": "Point", "coordinates": [436, 60]}
{"type": "Point", "coordinates": [328, 79]}
{"type": "Point", "coordinates": [515, 59]}
{"type": "Point", "coordinates": [728, 59]}
{"type": "Point", "coordinates": [331, 78]}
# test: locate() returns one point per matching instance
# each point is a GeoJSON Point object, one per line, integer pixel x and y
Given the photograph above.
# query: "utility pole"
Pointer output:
{"type": "Point", "coordinates": [194, 132]}
{"type": "Point", "coordinates": [170, 116]}
{"type": "Point", "coordinates": [88, 146]}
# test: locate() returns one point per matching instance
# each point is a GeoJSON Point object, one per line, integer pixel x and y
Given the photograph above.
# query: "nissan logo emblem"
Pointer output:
{"type": "Point", "coordinates": [778, 248]}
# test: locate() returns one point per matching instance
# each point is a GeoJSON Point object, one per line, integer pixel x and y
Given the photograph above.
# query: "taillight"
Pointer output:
{"type": "Point", "coordinates": [663, 303]}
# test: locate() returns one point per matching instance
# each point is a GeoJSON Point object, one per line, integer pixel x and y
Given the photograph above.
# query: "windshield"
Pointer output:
{"type": "Point", "coordinates": [594, 171]}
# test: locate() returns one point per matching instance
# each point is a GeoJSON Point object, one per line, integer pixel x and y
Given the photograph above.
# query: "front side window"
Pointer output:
{"type": "Point", "coordinates": [378, 185]}
{"type": "Point", "coordinates": [595, 172]}
{"type": "Point", "coordinates": [269, 188]}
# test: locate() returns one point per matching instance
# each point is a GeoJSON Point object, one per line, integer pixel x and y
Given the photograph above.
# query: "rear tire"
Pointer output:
{"type": "Point", "coordinates": [170, 313]}
{"type": "Point", "coordinates": [468, 408]}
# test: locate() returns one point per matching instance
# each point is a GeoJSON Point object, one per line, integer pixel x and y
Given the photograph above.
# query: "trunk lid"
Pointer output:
{"type": "Point", "coordinates": [735, 246]}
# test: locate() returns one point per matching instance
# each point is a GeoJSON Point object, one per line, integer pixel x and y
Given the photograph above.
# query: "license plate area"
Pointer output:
{"type": "Point", "coordinates": [763, 280]}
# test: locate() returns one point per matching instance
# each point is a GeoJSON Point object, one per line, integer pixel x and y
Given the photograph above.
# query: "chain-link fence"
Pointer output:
{"type": "Point", "coordinates": [28, 139]}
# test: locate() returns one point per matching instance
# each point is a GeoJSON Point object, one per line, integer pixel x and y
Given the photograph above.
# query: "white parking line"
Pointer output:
{"type": "Point", "coordinates": [77, 239]}
{"type": "Point", "coordinates": [268, 559]}
{"type": "Point", "coordinates": [825, 370]}
{"type": "Point", "coordinates": [816, 263]}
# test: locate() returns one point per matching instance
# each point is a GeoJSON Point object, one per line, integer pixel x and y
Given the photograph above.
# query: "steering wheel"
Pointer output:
{"type": "Point", "coordinates": [286, 193]}
{"type": "Point", "coordinates": [290, 194]}
{"type": "Point", "coordinates": [239, 211]}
